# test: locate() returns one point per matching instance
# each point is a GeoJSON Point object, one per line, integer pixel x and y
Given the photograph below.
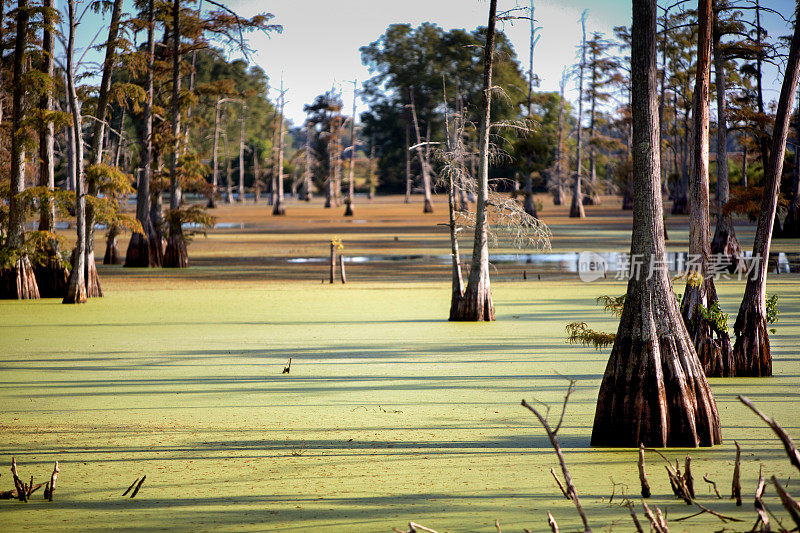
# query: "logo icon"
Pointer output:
{"type": "Point", "coordinates": [591, 266]}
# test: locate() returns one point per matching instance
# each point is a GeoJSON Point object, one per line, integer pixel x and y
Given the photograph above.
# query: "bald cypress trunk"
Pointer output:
{"type": "Point", "coordinates": [175, 255]}
{"type": "Point", "coordinates": [348, 212]}
{"type": "Point", "coordinates": [576, 208]}
{"type": "Point", "coordinates": [724, 241]}
{"type": "Point", "coordinates": [93, 289]}
{"type": "Point", "coordinates": [17, 279]}
{"type": "Point", "coordinates": [140, 252]}
{"type": "Point", "coordinates": [51, 273]}
{"type": "Point", "coordinates": [241, 153]}
{"type": "Point", "coordinates": [712, 343]}
{"type": "Point", "coordinates": [423, 159]}
{"type": "Point", "coordinates": [76, 286]}
{"type": "Point", "coordinates": [751, 353]}
{"type": "Point", "coordinates": [653, 391]}
{"type": "Point", "coordinates": [476, 304]}
{"type": "Point", "coordinates": [791, 224]}
{"type": "Point", "coordinates": [279, 208]}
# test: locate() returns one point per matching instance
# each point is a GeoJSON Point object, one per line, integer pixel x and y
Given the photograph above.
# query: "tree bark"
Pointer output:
{"type": "Point", "coordinates": [724, 241]}
{"type": "Point", "coordinates": [476, 305]}
{"type": "Point", "coordinates": [141, 252]}
{"type": "Point", "coordinates": [751, 353]}
{"type": "Point", "coordinates": [576, 208]}
{"type": "Point", "coordinates": [76, 286]}
{"type": "Point", "coordinates": [653, 391]}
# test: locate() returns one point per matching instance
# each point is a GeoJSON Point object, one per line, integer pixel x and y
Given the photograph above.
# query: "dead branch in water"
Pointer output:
{"type": "Point", "coordinates": [791, 449]}
{"type": "Point", "coordinates": [552, 434]}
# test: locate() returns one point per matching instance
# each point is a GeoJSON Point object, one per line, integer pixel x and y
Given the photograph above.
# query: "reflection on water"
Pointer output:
{"type": "Point", "coordinates": [564, 262]}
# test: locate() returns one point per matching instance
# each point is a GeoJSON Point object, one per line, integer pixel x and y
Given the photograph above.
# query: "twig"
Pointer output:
{"type": "Point", "coordinates": [552, 435]}
{"type": "Point", "coordinates": [791, 505]}
{"type": "Point", "coordinates": [560, 486]}
{"type": "Point", "coordinates": [713, 485]}
{"type": "Point", "coordinates": [759, 505]}
{"type": "Point", "coordinates": [552, 523]}
{"type": "Point", "coordinates": [635, 519]}
{"type": "Point", "coordinates": [791, 449]}
{"type": "Point", "coordinates": [657, 522]}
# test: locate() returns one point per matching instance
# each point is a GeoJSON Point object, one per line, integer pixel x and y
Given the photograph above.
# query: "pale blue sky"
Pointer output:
{"type": "Point", "coordinates": [320, 42]}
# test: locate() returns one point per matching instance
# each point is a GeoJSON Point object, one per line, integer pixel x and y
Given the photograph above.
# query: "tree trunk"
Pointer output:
{"type": "Point", "coordinates": [93, 289]}
{"type": "Point", "coordinates": [712, 343]}
{"type": "Point", "coordinates": [212, 199]}
{"type": "Point", "coordinates": [423, 160]}
{"type": "Point", "coordinates": [17, 279]}
{"type": "Point", "coordinates": [307, 169]}
{"type": "Point", "coordinates": [724, 241]}
{"type": "Point", "coordinates": [348, 212]}
{"type": "Point", "coordinates": [76, 286]}
{"type": "Point", "coordinates": [278, 208]}
{"type": "Point", "coordinates": [476, 305]}
{"type": "Point", "coordinates": [576, 208]}
{"type": "Point", "coordinates": [751, 353]}
{"type": "Point", "coordinates": [681, 204]}
{"type": "Point", "coordinates": [51, 274]}
{"type": "Point", "coordinates": [653, 391]}
{"type": "Point", "coordinates": [141, 252]}
{"type": "Point", "coordinates": [241, 153]}
{"type": "Point", "coordinates": [408, 164]}
{"type": "Point", "coordinates": [111, 256]}
{"type": "Point", "coordinates": [791, 224]}
{"type": "Point", "coordinates": [175, 255]}
{"type": "Point", "coordinates": [744, 160]}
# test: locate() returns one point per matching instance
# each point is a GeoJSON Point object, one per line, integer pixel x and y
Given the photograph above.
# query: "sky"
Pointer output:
{"type": "Point", "coordinates": [319, 45]}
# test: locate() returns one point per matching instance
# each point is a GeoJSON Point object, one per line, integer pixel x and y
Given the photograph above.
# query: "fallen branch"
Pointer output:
{"type": "Point", "coordinates": [642, 476]}
{"type": "Point", "coordinates": [552, 523]}
{"type": "Point", "coordinates": [791, 505]}
{"type": "Point", "coordinates": [560, 486]}
{"type": "Point", "coordinates": [552, 434]}
{"type": "Point", "coordinates": [18, 484]}
{"type": "Point", "coordinates": [687, 476]}
{"type": "Point", "coordinates": [635, 519]}
{"type": "Point", "coordinates": [657, 522]}
{"type": "Point", "coordinates": [713, 485]}
{"type": "Point", "coordinates": [736, 484]}
{"type": "Point", "coordinates": [414, 527]}
{"type": "Point", "coordinates": [52, 486]}
{"type": "Point", "coordinates": [763, 518]}
{"type": "Point", "coordinates": [791, 449]}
